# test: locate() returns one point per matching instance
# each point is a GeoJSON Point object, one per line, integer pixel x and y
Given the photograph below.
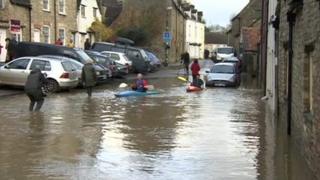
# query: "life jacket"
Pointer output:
{"type": "Point", "coordinates": [141, 85]}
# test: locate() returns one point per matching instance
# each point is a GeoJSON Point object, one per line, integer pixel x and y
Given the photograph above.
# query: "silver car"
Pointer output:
{"type": "Point", "coordinates": [223, 74]}
{"type": "Point", "coordinates": [60, 74]}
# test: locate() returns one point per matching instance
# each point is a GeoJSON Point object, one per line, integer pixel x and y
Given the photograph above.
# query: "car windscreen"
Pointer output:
{"type": "Point", "coordinates": [225, 69]}
{"type": "Point", "coordinates": [84, 57]}
{"type": "Point", "coordinates": [225, 50]}
{"type": "Point", "coordinates": [101, 47]}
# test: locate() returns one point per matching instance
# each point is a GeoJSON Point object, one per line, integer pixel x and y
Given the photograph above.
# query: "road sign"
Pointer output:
{"type": "Point", "coordinates": [167, 37]}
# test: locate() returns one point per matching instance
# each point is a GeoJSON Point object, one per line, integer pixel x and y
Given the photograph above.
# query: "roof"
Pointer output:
{"type": "Point", "coordinates": [251, 38]}
{"type": "Point", "coordinates": [216, 38]}
{"type": "Point", "coordinates": [25, 3]}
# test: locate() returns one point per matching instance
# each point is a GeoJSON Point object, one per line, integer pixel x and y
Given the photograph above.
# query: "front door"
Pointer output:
{"type": "Point", "coordinates": [36, 35]}
{"type": "Point", "coordinates": [3, 50]}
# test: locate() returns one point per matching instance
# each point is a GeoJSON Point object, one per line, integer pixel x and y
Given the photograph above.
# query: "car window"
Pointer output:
{"type": "Point", "coordinates": [67, 66]}
{"type": "Point", "coordinates": [118, 49]}
{"type": "Point", "coordinates": [40, 64]}
{"type": "Point", "coordinates": [223, 69]}
{"type": "Point", "coordinates": [115, 57]}
{"type": "Point", "coordinates": [76, 65]}
{"type": "Point", "coordinates": [101, 47]}
{"type": "Point", "coordinates": [133, 54]}
{"type": "Point", "coordinates": [19, 64]}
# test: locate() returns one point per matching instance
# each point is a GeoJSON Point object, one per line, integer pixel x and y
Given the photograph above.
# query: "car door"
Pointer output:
{"type": "Point", "coordinates": [15, 72]}
{"type": "Point", "coordinates": [43, 65]}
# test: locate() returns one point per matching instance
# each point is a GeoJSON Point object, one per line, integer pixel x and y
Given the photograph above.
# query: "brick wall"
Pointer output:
{"type": "Point", "coordinates": [305, 124]}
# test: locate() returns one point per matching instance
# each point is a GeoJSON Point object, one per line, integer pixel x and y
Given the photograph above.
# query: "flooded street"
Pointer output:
{"type": "Point", "coordinates": [220, 134]}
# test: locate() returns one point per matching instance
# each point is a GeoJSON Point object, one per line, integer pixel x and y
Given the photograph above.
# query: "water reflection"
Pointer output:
{"type": "Point", "coordinates": [216, 134]}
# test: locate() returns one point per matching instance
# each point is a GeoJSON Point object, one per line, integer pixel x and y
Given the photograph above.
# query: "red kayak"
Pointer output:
{"type": "Point", "coordinates": [193, 89]}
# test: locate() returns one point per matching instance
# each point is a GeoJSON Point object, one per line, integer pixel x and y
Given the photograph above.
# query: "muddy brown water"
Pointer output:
{"type": "Point", "coordinates": [219, 134]}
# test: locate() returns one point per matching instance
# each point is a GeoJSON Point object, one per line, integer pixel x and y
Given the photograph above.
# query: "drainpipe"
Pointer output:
{"type": "Point", "coordinates": [30, 22]}
{"type": "Point", "coordinates": [291, 17]}
{"type": "Point", "coordinates": [55, 19]}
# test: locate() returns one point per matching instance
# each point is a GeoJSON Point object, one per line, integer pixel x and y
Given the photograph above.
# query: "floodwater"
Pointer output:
{"type": "Point", "coordinates": [218, 134]}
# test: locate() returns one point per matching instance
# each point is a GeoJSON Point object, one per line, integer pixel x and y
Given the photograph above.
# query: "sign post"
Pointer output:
{"type": "Point", "coordinates": [167, 38]}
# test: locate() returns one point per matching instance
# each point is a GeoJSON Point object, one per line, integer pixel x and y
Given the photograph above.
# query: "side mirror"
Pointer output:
{"type": "Point", "coordinates": [207, 72]}
{"type": "Point", "coordinates": [6, 66]}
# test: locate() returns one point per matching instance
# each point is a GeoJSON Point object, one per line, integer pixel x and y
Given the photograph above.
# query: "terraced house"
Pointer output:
{"type": "Point", "coordinates": [53, 19]}
{"type": "Point", "coordinates": [14, 22]}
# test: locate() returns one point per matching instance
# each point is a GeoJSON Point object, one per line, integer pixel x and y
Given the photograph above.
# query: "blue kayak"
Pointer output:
{"type": "Point", "coordinates": [136, 93]}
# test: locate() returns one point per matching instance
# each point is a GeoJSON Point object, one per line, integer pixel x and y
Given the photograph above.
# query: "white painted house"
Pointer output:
{"type": "Point", "coordinates": [271, 58]}
{"type": "Point", "coordinates": [88, 12]}
{"type": "Point", "coordinates": [195, 33]}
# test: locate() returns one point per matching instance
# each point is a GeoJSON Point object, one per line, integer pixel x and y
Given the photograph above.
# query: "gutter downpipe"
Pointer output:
{"type": "Point", "coordinates": [30, 22]}
{"type": "Point", "coordinates": [291, 17]}
{"type": "Point", "coordinates": [55, 19]}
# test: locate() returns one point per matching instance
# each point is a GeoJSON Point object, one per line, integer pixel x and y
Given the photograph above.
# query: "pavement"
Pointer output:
{"type": "Point", "coordinates": [9, 92]}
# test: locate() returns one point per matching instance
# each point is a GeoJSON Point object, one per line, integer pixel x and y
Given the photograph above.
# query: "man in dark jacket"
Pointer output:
{"type": "Point", "coordinates": [89, 77]}
{"type": "Point", "coordinates": [10, 46]}
{"type": "Point", "coordinates": [33, 88]}
{"type": "Point", "coordinates": [186, 61]}
{"type": "Point", "coordinates": [87, 44]}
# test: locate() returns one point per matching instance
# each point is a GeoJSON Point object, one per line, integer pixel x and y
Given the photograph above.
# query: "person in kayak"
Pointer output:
{"type": "Point", "coordinates": [141, 84]}
{"type": "Point", "coordinates": [195, 68]}
{"type": "Point", "coordinates": [197, 82]}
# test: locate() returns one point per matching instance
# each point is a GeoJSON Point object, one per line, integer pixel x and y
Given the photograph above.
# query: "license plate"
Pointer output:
{"type": "Point", "coordinates": [220, 85]}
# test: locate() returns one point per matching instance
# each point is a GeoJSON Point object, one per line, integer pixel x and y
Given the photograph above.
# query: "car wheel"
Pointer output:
{"type": "Point", "coordinates": [52, 86]}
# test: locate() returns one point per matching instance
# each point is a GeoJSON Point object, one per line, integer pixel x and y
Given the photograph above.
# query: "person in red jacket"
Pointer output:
{"type": "Point", "coordinates": [195, 68]}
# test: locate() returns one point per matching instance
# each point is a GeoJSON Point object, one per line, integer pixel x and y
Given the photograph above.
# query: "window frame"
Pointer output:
{"type": "Point", "coordinates": [64, 35]}
{"type": "Point", "coordinates": [48, 5]}
{"type": "Point", "coordinates": [83, 11]}
{"type": "Point", "coordinates": [64, 7]}
{"type": "Point", "coordinates": [95, 12]}
{"type": "Point", "coordinates": [49, 34]}
{"type": "Point", "coordinates": [2, 4]}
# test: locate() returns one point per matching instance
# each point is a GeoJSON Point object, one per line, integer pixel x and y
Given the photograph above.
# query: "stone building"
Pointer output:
{"type": "Point", "coordinates": [214, 40]}
{"type": "Point", "coordinates": [299, 82]}
{"type": "Point", "coordinates": [14, 22]}
{"type": "Point", "coordinates": [53, 19]}
{"type": "Point", "coordinates": [244, 36]}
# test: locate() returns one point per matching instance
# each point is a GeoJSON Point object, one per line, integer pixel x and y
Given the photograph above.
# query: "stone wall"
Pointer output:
{"type": "Point", "coordinates": [15, 12]}
{"type": "Point", "coordinates": [305, 127]}
{"type": "Point", "coordinates": [41, 17]}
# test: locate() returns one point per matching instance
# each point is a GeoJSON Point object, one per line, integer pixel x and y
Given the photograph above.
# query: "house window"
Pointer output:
{"type": "Point", "coordinates": [46, 5]}
{"type": "Point", "coordinates": [2, 3]}
{"type": "Point", "coordinates": [17, 36]}
{"type": "Point", "coordinates": [62, 34]}
{"type": "Point", "coordinates": [83, 11]}
{"type": "Point", "coordinates": [62, 7]}
{"type": "Point", "coordinates": [46, 34]}
{"type": "Point", "coordinates": [95, 10]}
{"type": "Point", "coordinates": [308, 84]}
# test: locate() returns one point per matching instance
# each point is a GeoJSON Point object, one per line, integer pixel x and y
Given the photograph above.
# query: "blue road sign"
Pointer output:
{"type": "Point", "coordinates": [167, 36]}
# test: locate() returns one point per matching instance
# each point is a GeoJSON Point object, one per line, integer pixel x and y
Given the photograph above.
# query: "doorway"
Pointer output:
{"type": "Point", "coordinates": [3, 36]}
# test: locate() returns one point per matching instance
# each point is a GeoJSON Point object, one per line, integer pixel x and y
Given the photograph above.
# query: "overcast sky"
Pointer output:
{"type": "Point", "coordinates": [219, 11]}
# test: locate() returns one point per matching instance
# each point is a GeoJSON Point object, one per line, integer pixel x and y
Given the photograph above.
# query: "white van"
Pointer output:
{"type": "Point", "coordinates": [224, 53]}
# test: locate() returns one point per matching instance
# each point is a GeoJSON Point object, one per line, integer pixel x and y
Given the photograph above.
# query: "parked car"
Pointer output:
{"type": "Point", "coordinates": [77, 66]}
{"type": "Point", "coordinates": [235, 61]}
{"type": "Point", "coordinates": [60, 74]}
{"type": "Point", "coordinates": [154, 61]}
{"type": "Point", "coordinates": [120, 58]}
{"type": "Point", "coordinates": [223, 74]}
{"type": "Point", "coordinates": [138, 56]}
{"type": "Point", "coordinates": [118, 70]}
{"type": "Point", "coordinates": [37, 49]}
